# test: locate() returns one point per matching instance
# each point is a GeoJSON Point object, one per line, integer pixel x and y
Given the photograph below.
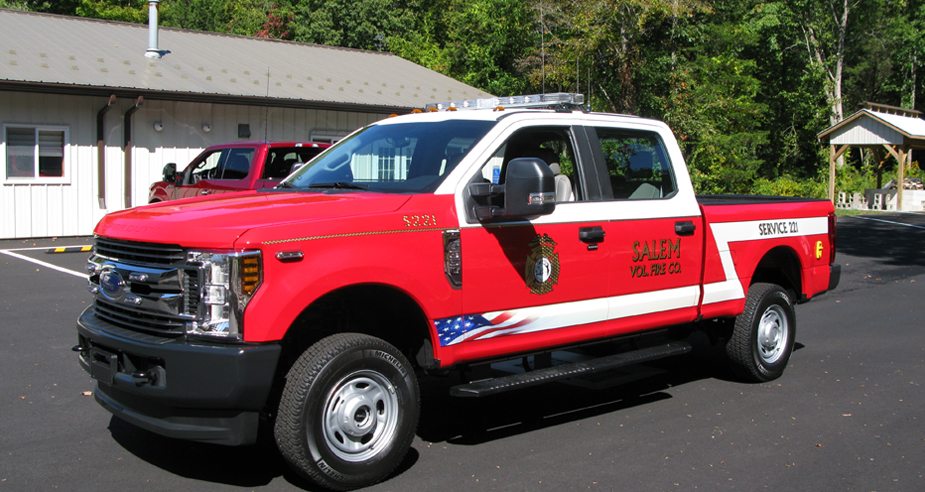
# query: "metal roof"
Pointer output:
{"type": "Point", "coordinates": [77, 55]}
{"type": "Point", "coordinates": [868, 127]}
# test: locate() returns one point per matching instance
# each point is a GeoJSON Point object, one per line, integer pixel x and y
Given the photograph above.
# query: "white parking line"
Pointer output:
{"type": "Point", "coordinates": [886, 221]}
{"type": "Point", "coordinates": [42, 263]}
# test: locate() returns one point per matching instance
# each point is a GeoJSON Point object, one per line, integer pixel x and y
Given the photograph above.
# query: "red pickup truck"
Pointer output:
{"type": "Point", "coordinates": [234, 167]}
{"type": "Point", "coordinates": [431, 244]}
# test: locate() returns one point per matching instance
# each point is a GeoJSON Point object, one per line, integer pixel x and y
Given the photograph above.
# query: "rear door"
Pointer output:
{"type": "Point", "coordinates": [654, 231]}
{"type": "Point", "coordinates": [281, 161]}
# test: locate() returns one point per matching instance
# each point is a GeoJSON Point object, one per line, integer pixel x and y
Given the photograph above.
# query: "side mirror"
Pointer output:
{"type": "Point", "coordinates": [529, 190]}
{"type": "Point", "coordinates": [295, 167]}
{"type": "Point", "coordinates": [170, 173]}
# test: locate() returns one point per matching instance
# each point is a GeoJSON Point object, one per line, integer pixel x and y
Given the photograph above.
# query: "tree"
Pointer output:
{"type": "Point", "coordinates": [126, 11]}
{"type": "Point", "coordinates": [825, 30]}
{"type": "Point", "coordinates": [479, 42]}
{"type": "Point", "coordinates": [366, 24]}
{"type": "Point", "coordinates": [243, 17]}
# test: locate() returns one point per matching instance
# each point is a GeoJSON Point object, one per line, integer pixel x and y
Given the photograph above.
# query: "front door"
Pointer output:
{"type": "Point", "coordinates": [525, 282]}
{"type": "Point", "coordinates": [220, 171]}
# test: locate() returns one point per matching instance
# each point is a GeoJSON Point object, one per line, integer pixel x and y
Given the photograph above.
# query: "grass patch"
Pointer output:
{"type": "Point", "coordinates": [841, 212]}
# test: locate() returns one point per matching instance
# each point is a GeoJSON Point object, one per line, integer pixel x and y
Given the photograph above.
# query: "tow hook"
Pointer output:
{"type": "Point", "coordinates": [141, 378]}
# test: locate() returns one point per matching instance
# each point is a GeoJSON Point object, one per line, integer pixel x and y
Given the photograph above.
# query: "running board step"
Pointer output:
{"type": "Point", "coordinates": [540, 376]}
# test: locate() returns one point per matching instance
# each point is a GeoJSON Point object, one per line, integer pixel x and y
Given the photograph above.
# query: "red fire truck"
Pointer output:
{"type": "Point", "coordinates": [432, 243]}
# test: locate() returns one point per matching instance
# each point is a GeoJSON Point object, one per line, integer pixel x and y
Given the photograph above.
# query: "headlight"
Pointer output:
{"type": "Point", "coordinates": [228, 281]}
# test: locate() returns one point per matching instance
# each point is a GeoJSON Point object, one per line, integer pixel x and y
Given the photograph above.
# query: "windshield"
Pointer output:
{"type": "Point", "coordinates": [398, 158]}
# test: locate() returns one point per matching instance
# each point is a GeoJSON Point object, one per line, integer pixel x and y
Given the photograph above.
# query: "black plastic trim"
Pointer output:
{"type": "Point", "coordinates": [834, 276]}
{"type": "Point", "coordinates": [498, 385]}
{"type": "Point", "coordinates": [207, 392]}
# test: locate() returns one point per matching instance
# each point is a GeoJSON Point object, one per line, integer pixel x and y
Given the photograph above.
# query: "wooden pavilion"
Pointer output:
{"type": "Point", "coordinates": [876, 127]}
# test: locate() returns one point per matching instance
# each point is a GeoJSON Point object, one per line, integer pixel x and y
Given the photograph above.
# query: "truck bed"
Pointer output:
{"type": "Point", "coordinates": [751, 199]}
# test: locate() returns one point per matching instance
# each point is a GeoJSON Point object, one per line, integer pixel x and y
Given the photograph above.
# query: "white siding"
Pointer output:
{"type": "Point", "coordinates": [866, 131]}
{"type": "Point", "coordinates": [71, 208]}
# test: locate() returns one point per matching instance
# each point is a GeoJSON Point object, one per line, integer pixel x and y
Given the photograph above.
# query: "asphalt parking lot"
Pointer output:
{"type": "Point", "coordinates": [846, 415]}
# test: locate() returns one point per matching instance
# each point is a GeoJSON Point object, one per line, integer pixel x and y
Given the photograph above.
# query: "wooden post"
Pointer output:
{"type": "Point", "coordinates": [834, 154]}
{"type": "Point", "coordinates": [901, 176]}
{"type": "Point", "coordinates": [900, 153]}
{"type": "Point", "coordinates": [878, 156]}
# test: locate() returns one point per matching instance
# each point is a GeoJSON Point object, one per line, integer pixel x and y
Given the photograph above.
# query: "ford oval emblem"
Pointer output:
{"type": "Point", "coordinates": [111, 284]}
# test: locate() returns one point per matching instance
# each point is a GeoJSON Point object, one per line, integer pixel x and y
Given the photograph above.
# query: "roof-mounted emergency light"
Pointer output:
{"type": "Point", "coordinates": [555, 100]}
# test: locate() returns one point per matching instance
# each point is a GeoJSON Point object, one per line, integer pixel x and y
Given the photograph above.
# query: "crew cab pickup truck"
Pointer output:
{"type": "Point", "coordinates": [429, 244]}
{"type": "Point", "coordinates": [234, 167]}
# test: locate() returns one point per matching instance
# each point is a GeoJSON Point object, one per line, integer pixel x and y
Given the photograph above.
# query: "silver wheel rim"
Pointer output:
{"type": "Point", "coordinates": [360, 416]}
{"type": "Point", "coordinates": [773, 331]}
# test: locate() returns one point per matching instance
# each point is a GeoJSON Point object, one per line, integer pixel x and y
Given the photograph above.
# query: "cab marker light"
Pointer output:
{"type": "Point", "coordinates": [290, 256]}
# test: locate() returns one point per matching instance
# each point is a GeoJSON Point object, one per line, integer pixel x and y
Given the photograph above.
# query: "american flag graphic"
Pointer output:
{"type": "Point", "coordinates": [478, 326]}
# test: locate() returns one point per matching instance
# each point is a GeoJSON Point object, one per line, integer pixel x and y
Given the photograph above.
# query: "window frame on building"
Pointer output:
{"type": "Point", "coordinates": [36, 177]}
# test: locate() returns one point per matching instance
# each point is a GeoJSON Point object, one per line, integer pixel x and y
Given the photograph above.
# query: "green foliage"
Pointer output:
{"type": "Point", "coordinates": [365, 25]}
{"type": "Point", "coordinates": [65, 7]}
{"type": "Point", "coordinates": [745, 84]}
{"type": "Point", "coordinates": [228, 16]}
{"type": "Point", "coordinates": [788, 186]}
{"type": "Point", "coordinates": [478, 42]}
{"type": "Point", "coordinates": [126, 11]}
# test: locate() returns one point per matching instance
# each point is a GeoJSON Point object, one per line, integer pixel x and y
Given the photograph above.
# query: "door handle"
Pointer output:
{"type": "Point", "coordinates": [204, 192]}
{"type": "Point", "coordinates": [685, 228]}
{"type": "Point", "coordinates": [592, 236]}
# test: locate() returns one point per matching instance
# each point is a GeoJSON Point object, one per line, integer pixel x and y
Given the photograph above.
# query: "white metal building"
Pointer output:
{"type": "Point", "coordinates": [88, 121]}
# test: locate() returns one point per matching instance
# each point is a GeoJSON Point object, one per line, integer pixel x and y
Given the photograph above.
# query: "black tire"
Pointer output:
{"type": "Point", "coordinates": [348, 412]}
{"type": "Point", "coordinates": [762, 339]}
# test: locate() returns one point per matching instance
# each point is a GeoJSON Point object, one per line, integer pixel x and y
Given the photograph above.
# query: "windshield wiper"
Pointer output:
{"type": "Point", "coordinates": [340, 185]}
{"type": "Point", "coordinates": [286, 184]}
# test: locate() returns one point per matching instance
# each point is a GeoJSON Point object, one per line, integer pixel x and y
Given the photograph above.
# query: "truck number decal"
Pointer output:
{"type": "Point", "coordinates": [420, 220]}
{"type": "Point", "coordinates": [775, 228]}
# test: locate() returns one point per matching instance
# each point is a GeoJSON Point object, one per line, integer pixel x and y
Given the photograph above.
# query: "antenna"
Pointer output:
{"type": "Point", "coordinates": [543, 45]}
{"type": "Point", "coordinates": [266, 112]}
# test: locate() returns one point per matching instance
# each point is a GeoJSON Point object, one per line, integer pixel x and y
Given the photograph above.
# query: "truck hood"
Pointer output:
{"type": "Point", "coordinates": [217, 221]}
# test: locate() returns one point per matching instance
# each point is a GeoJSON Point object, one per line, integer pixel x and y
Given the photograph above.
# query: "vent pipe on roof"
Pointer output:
{"type": "Point", "coordinates": [153, 50]}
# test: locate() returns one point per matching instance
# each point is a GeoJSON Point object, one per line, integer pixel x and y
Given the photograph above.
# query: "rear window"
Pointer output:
{"type": "Point", "coordinates": [282, 160]}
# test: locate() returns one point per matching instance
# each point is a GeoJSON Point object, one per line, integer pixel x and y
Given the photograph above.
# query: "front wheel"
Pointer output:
{"type": "Point", "coordinates": [762, 339]}
{"type": "Point", "coordinates": [348, 412]}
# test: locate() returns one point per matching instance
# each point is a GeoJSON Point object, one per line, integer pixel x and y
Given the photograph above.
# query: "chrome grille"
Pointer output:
{"type": "Point", "coordinates": [162, 291]}
{"type": "Point", "coordinates": [125, 317]}
{"type": "Point", "coordinates": [140, 253]}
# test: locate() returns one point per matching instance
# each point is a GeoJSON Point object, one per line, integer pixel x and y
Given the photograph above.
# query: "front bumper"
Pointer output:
{"type": "Point", "coordinates": [186, 389]}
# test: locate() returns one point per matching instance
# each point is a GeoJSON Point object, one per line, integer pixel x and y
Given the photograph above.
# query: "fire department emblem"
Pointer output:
{"type": "Point", "coordinates": [542, 271]}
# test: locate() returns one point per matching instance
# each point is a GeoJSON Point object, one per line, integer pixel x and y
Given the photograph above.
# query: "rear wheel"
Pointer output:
{"type": "Point", "coordinates": [763, 336]}
{"type": "Point", "coordinates": [348, 412]}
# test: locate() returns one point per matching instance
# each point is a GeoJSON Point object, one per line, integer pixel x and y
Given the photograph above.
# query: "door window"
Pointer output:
{"type": "Point", "coordinates": [553, 145]}
{"type": "Point", "coordinates": [281, 160]}
{"type": "Point", "coordinates": [238, 164]}
{"type": "Point", "coordinates": [206, 167]}
{"type": "Point", "coordinates": [233, 164]}
{"type": "Point", "coordinates": [637, 165]}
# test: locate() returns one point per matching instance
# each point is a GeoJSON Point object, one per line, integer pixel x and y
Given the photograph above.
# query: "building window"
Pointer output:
{"type": "Point", "coordinates": [386, 164]}
{"type": "Point", "coordinates": [35, 153]}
